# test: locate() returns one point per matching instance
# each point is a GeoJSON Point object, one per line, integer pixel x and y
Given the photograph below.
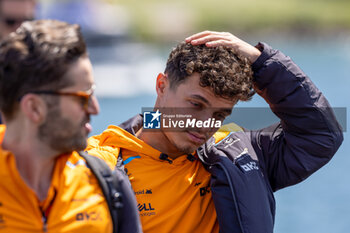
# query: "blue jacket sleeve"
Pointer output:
{"type": "Point", "coordinates": [308, 134]}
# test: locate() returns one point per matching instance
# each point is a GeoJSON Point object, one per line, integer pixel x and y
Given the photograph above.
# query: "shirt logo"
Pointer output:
{"type": "Point", "coordinates": [88, 216]}
{"type": "Point", "coordinates": [230, 142]}
{"type": "Point", "coordinates": [151, 120]}
{"type": "Point", "coordinates": [250, 166]}
{"type": "Point", "coordinates": [204, 190]}
{"type": "Point", "coordinates": [143, 191]}
{"type": "Point", "coordinates": [146, 209]}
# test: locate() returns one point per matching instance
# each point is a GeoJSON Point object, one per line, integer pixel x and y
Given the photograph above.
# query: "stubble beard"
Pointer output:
{"type": "Point", "coordinates": [61, 134]}
{"type": "Point", "coordinates": [185, 148]}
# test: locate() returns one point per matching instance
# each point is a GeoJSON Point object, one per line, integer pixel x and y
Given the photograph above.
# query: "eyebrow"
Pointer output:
{"type": "Point", "coordinates": [201, 98]}
{"type": "Point", "coordinates": [226, 110]}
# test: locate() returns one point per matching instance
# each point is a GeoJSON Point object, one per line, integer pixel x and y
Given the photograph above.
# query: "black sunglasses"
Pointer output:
{"type": "Point", "coordinates": [15, 21]}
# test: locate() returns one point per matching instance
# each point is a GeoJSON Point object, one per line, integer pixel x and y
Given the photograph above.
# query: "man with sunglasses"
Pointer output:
{"type": "Point", "coordinates": [46, 98]}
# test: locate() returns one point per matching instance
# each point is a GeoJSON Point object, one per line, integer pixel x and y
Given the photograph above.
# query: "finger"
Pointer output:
{"type": "Point", "coordinates": [199, 35]}
{"type": "Point", "coordinates": [226, 43]}
{"type": "Point", "coordinates": [209, 38]}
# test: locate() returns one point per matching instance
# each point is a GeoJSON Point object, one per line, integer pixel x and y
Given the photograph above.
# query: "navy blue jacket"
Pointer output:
{"type": "Point", "coordinates": [247, 167]}
{"type": "Point", "coordinates": [246, 173]}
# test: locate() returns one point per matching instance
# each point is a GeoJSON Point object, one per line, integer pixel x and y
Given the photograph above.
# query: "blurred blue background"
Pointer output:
{"type": "Point", "coordinates": [129, 42]}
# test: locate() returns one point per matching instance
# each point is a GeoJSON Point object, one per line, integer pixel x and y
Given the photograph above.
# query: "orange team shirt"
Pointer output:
{"type": "Point", "coordinates": [74, 203]}
{"type": "Point", "coordinates": [172, 197]}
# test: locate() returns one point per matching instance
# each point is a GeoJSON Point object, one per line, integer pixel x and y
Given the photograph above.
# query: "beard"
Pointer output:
{"type": "Point", "coordinates": [185, 146]}
{"type": "Point", "coordinates": [185, 149]}
{"type": "Point", "coordinates": [62, 134]}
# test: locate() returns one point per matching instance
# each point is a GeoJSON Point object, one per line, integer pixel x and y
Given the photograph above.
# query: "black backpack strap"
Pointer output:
{"type": "Point", "coordinates": [109, 185]}
{"type": "Point", "coordinates": [120, 164]}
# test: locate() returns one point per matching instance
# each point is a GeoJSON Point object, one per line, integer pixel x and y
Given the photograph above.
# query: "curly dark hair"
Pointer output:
{"type": "Point", "coordinates": [230, 76]}
{"type": "Point", "coordinates": [36, 57]}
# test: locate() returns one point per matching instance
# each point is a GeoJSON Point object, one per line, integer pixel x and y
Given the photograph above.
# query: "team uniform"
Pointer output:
{"type": "Point", "coordinates": [74, 202]}
{"type": "Point", "coordinates": [172, 195]}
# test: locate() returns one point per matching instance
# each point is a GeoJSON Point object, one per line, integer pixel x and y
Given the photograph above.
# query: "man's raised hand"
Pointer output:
{"type": "Point", "coordinates": [213, 39]}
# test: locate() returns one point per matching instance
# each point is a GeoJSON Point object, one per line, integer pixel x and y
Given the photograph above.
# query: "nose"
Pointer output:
{"type": "Point", "coordinates": [93, 107]}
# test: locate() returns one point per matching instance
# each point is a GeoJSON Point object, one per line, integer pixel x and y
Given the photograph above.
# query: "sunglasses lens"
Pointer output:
{"type": "Point", "coordinates": [86, 101]}
{"type": "Point", "coordinates": [10, 22]}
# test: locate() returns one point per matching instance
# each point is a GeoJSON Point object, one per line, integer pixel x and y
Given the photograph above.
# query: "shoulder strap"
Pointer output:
{"type": "Point", "coordinates": [109, 185]}
{"type": "Point", "coordinates": [120, 162]}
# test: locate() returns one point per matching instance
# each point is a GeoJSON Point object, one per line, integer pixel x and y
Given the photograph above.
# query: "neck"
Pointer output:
{"type": "Point", "coordinates": [160, 142]}
{"type": "Point", "coordinates": [35, 161]}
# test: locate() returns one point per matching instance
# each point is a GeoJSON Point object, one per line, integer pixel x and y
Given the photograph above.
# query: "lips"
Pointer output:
{"type": "Point", "coordinates": [86, 124]}
{"type": "Point", "coordinates": [196, 137]}
{"type": "Point", "coordinates": [88, 127]}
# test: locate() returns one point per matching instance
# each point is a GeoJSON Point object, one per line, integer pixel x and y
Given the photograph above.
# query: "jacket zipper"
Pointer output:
{"type": "Point", "coordinates": [233, 195]}
{"type": "Point", "coordinates": [45, 213]}
{"type": "Point", "coordinates": [44, 220]}
{"type": "Point", "coordinates": [231, 188]}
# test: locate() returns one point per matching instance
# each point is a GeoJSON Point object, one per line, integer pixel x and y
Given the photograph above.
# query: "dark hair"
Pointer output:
{"type": "Point", "coordinates": [227, 74]}
{"type": "Point", "coordinates": [36, 57]}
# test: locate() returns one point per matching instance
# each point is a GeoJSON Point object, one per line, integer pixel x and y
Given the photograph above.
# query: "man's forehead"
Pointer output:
{"type": "Point", "coordinates": [80, 73]}
{"type": "Point", "coordinates": [194, 88]}
{"type": "Point", "coordinates": [17, 7]}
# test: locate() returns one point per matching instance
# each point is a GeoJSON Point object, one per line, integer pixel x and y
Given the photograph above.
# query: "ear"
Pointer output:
{"type": "Point", "coordinates": [34, 108]}
{"type": "Point", "coordinates": [162, 84]}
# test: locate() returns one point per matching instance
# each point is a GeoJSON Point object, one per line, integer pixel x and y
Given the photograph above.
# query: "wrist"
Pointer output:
{"type": "Point", "coordinates": [255, 54]}
{"type": "Point", "coordinates": [250, 52]}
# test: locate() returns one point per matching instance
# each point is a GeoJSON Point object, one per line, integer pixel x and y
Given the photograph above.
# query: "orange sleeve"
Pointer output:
{"type": "Point", "coordinates": [2, 132]}
{"type": "Point", "coordinates": [108, 153]}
